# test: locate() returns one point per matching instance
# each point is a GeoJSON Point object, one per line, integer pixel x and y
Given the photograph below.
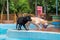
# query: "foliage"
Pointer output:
{"type": "Point", "coordinates": [12, 6]}
{"type": "Point", "coordinates": [20, 6]}
{"type": "Point", "coordinates": [28, 6]}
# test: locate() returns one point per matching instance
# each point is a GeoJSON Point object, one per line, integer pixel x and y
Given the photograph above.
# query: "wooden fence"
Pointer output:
{"type": "Point", "coordinates": [12, 17]}
{"type": "Point", "coordinates": [4, 17]}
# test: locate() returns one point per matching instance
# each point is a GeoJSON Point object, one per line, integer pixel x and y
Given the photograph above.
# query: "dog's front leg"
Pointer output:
{"type": "Point", "coordinates": [28, 24]}
{"type": "Point", "coordinates": [25, 27]}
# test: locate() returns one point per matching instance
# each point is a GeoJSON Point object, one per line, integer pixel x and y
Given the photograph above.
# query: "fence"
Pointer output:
{"type": "Point", "coordinates": [12, 17]}
{"type": "Point", "coordinates": [4, 17]}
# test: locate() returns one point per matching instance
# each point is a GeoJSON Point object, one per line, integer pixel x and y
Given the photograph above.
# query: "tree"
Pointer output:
{"type": "Point", "coordinates": [29, 5]}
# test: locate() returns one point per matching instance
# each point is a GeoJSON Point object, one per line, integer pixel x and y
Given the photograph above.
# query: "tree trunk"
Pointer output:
{"type": "Point", "coordinates": [2, 11]}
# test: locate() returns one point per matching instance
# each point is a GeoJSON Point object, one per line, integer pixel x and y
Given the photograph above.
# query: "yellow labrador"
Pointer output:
{"type": "Point", "coordinates": [37, 22]}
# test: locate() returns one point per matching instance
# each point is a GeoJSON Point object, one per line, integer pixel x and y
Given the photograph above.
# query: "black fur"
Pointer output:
{"type": "Point", "coordinates": [21, 21]}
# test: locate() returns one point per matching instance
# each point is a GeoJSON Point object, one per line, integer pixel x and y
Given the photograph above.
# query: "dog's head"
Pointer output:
{"type": "Point", "coordinates": [28, 18]}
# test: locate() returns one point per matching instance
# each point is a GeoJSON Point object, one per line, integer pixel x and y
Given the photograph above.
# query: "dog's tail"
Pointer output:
{"type": "Point", "coordinates": [16, 14]}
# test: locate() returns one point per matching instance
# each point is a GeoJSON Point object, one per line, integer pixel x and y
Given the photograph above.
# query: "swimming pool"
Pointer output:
{"type": "Point", "coordinates": [8, 32]}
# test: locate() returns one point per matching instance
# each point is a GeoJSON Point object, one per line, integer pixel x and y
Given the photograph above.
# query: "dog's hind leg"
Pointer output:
{"type": "Point", "coordinates": [19, 28]}
{"type": "Point", "coordinates": [16, 26]}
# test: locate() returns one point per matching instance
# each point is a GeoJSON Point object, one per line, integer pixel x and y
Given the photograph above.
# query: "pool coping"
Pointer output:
{"type": "Point", "coordinates": [33, 31]}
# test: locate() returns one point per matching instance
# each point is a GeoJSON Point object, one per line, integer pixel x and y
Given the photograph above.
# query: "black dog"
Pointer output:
{"type": "Point", "coordinates": [21, 21]}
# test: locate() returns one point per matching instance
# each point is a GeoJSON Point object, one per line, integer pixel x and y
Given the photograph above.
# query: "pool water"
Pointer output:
{"type": "Point", "coordinates": [8, 32]}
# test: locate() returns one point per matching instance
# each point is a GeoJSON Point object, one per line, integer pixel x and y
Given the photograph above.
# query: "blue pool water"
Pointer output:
{"type": "Point", "coordinates": [57, 24]}
{"type": "Point", "coordinates": [8, 32]}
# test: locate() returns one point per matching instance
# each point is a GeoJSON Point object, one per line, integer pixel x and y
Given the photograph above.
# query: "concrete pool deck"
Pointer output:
{"type": "Point", "coordinates": [10, 26]}
{"type": "Point", "coordinates": [51, 29]}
